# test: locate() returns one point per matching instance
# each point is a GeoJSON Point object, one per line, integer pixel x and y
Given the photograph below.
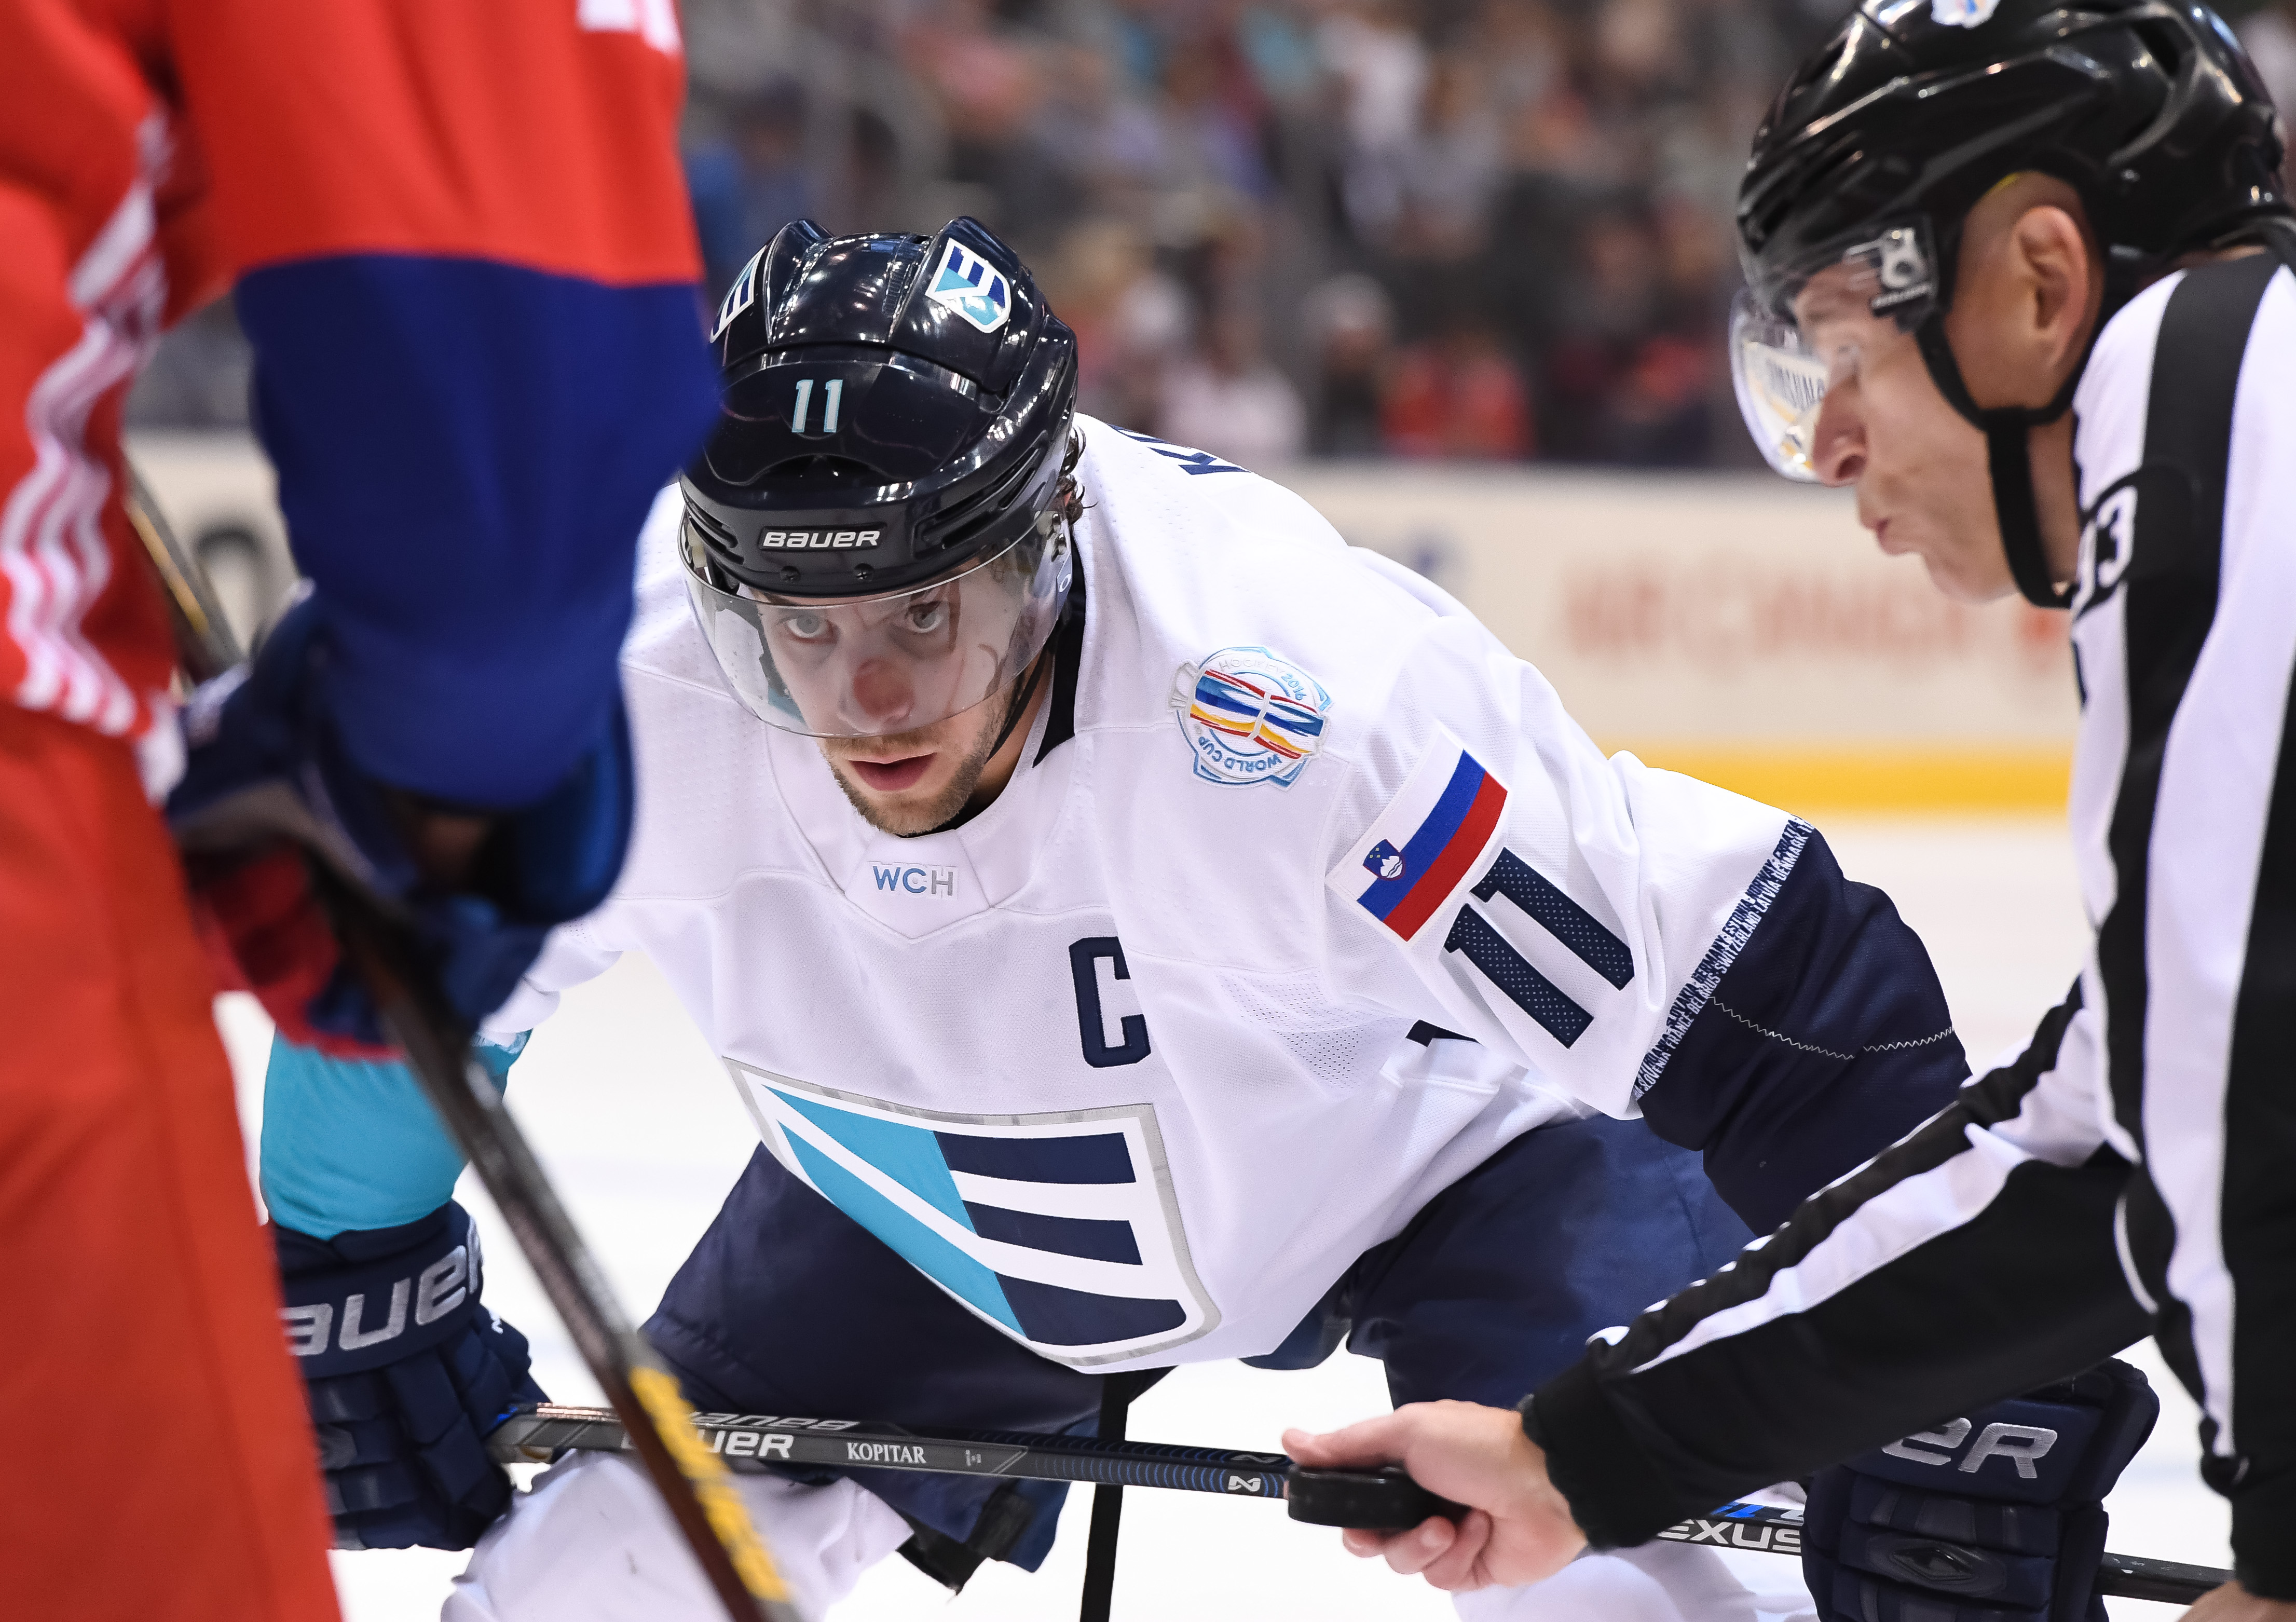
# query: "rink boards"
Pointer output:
{"type": "Point", "coordinates": [1729, 625]}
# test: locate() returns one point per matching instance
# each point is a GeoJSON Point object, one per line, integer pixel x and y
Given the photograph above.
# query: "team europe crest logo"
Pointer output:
{"type": "Point", "coordinates": [1060, 1229]}
{"type": "Point", "coordinates": [1249, 717]}
{"type": "Point", "coordinates": [1963, 13]}
{"type": "Point", "coordinates": [973, 288]}
{"type": "Point", "coordinates": [739, 297]}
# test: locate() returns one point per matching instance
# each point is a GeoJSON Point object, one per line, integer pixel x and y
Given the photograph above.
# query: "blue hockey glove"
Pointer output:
{"type": "Point", "coordinates": [268, 776]}
{"type": "Point", "coordinates": [1996, 1516]}
{"type": "Point", "coordinates": [407, 1375]}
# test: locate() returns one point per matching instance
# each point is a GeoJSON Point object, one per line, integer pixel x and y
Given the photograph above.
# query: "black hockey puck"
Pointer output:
{"type": "Point", "coordinates": [1382, 1500]}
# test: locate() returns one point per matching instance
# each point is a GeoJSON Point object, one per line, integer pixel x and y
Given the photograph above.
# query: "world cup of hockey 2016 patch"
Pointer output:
{"type": "Point", "coordinates": [1420, 849]}
{"type": "Point", "coordinates": [1249, 717]}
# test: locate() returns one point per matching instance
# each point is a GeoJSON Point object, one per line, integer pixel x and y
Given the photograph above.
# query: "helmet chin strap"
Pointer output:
{"type": "Point", "coordinates": [2009, 463]}
{"type": "Point", "coordinates": [1022, 690]}
{"type": "Point", "coordinates": [1022, 693]}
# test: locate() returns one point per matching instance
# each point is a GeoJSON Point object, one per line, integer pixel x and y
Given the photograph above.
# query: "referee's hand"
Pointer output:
{"type": "Point", "coordinates": [2234, 1603]}
{"type": "Point", "coordinates": [1520, 1529]}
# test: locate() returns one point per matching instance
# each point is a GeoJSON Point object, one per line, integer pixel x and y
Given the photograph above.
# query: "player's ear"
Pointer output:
{"type": "Point", "coordinates": [2053, 266]}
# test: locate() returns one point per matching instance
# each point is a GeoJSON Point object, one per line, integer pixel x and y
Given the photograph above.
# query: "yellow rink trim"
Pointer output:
{"type": "Point", "coordinates": [1815, 778]}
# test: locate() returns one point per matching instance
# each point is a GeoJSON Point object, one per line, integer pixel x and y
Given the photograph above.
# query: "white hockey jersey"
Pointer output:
{"type": "Point", "coordinates": [1122, 1063]}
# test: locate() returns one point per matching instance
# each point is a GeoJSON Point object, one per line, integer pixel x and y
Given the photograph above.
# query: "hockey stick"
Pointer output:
{"type": "Point", "coordinates": [754, 1442]}
{"type": "Point", "coordinates": [204, 643]}
{"type": "Point", "coordinates": [1778, 1531]}
{"type": "Point", "coordinates": [382, 951]}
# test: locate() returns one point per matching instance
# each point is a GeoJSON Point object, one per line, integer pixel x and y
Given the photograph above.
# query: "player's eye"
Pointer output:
{"type": "Point", "coordinates": [1837, 347]}
{"type": "Point", "coordinates": [923, 618]}
{"type": "Point", "coordinates": [804, 625]}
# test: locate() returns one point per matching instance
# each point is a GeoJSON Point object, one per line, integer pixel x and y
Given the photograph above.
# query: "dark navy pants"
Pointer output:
{"type": "Point", "coordinates": [789, 1307]}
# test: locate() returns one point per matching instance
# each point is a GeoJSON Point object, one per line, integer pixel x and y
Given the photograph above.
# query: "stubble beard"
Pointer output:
{"type": "Point", "coordinates": [910, 818]}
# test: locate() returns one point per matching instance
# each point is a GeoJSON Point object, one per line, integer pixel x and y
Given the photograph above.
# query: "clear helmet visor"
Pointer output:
{"type": "Point", "coordinates": [1781, 384]}
{"type": "Point", "coordinates": [874, 667]}
{"type": "Point", "coordinates": [1810, 331]}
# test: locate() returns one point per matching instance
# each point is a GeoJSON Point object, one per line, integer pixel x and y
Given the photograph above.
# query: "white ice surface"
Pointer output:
{"type": "Point", "coordinates": [642, 1133]}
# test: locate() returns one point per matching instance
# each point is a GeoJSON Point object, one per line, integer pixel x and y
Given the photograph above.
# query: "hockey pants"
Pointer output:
{"type": "Point", "coordinates": [789, 1307]}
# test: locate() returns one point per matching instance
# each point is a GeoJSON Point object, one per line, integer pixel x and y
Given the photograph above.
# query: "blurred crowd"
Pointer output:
{"type": "Point", "coordinates": [1488, 229]}
{"type": "Point", "coordinates": [1495, 230]}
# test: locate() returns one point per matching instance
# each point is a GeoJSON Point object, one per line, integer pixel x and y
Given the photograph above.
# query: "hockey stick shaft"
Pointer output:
{"type": "Point", "coordinates": [644, 1393]}
{"type": "Point", "coordinates": [204, 642]}
{"type": "Point", "coordinates": [381, 951]}
{"type": "Point", "coordinates": [751, 1441]}
{"type": "Point", "coordinates": [754, 1441]}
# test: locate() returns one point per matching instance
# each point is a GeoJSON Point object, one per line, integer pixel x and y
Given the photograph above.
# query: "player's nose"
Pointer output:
{"type": "Point", "coordinates": [1838, 454]}
{"type": "Point", "coordinates": [884, 694]}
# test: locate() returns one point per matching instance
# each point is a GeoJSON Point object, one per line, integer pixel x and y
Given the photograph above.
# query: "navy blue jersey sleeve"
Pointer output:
{"type": "Point", "coordinates": [479, 350]}
{"type": "Point", "coordinates": [466, 452]}
{"type": "Point", "coordinates": [1827, 1040]}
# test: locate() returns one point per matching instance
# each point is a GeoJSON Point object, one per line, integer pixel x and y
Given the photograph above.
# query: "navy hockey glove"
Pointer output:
{"type": "Point", "coordinates": [407, 1375]}
{"type": "Point", "coordinates": [269, 775]}
{"type": "Point", "coordinates": [1996, 1516]}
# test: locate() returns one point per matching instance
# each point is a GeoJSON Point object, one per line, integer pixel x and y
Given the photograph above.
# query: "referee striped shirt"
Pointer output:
{"type": "Point", "coordinates": [2135, 1167]}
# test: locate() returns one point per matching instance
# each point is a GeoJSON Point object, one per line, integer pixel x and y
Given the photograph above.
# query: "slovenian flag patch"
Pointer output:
{"type": "Point", "coordinates": [1420, 848]}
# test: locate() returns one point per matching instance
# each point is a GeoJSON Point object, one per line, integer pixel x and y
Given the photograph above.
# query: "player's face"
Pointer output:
{"type": "Point", "coordinates": [877, 667]}
{"type": "Point", "coordinates": [1919, 467]}
{"type": "Point", "coordinates": [887, 666]}
{"type": "Point", "coordinates": [912, 782]}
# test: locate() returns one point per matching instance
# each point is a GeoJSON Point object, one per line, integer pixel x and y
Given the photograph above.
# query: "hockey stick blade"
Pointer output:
{"type": "Point", "coordinates": [383, 951]}
{"type": "Point", "coordinates": [1376, 1499]}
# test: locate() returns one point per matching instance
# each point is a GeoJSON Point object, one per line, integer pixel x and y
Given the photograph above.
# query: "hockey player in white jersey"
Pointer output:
{"type": "Point", "coordinates": [1145, 931]}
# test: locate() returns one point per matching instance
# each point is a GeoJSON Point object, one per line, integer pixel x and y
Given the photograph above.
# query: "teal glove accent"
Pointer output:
{"type": "Point", "coordinates": [498, 1054]}
{"type": "Point", "coordinates": [352, 1143]}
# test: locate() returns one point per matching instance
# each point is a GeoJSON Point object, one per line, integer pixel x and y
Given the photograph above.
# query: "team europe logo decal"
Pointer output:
{"type": "Point", "coordinates": [1249, 717]}
{"type": "Point", "coordinates": [970, 286]}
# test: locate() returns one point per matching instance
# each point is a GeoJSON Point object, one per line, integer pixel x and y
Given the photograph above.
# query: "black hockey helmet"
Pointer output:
{"type": "Point", "coordinates": [897, 411]}
{"type": "Point", "coordinates": [917, 389]}
{"type": "Point", "coordinates": [1887, 135]}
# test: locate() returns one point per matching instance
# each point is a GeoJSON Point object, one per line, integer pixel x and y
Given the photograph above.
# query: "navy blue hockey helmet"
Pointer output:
{"type": "Point", "coordinates": [884, 483]}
